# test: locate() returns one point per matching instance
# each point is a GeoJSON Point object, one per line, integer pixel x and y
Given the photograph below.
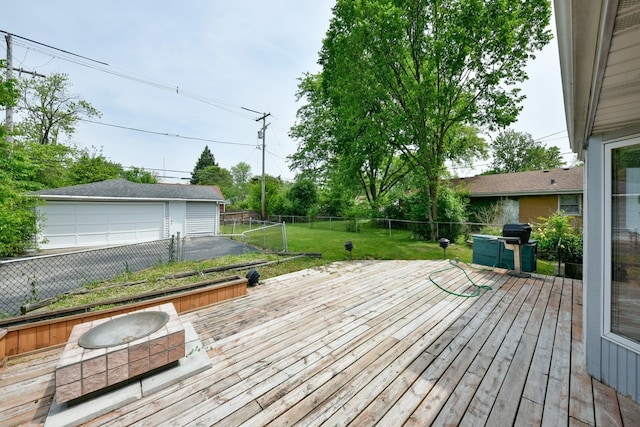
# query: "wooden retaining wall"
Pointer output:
{"type": "Point", "coordinates": [38, 335]}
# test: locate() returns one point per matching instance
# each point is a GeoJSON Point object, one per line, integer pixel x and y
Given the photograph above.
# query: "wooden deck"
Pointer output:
{"type": "Point", "coordinates": [371, 343]}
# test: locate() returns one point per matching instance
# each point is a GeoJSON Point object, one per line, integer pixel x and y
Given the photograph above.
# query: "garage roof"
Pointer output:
{"type": "Point", "coordinates": [541, 182]}
{"type": "Point", "coordinates": [118, 189]}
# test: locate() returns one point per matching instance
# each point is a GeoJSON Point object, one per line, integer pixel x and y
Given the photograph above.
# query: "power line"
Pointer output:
{"type": "Point", "coordinates": [123, 74]}
{"type": "Point", "coordinates": [553, 134]}
{"type": "Point", "coordinates": [172, 135]}
{"type": "Point", "coordinates": [52, 47]}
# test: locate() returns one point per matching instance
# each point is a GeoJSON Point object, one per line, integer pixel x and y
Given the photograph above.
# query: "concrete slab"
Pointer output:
{"type": "Point", "coordinates": [61, 415]}
{"type": "Point", "coordinates": [195, 361]}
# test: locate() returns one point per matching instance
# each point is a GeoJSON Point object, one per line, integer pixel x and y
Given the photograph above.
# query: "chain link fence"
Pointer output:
{"type": "Point", "coordinates": [31, 279]}
{"type": "Point", "coordinates": [451, 230]}
{"type": "Point", "coordinates": [266, 235]}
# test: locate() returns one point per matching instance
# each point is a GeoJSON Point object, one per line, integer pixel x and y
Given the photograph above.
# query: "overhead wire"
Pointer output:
{"type": "Point", "coordinates": [102, 66]}
{"type": "Point", "coordinates": [172, 135]}
{"type": "Point", "coordinates": [110, 69]}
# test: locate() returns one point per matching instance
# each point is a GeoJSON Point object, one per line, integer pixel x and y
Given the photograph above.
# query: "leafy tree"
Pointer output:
{"type": "Point", "coordinates": [303, 196]}
{"type": "Point", "coordinates": [215, 175]}
{"type": "Point", "coordinates": [518, 152]}
{"type": "Point", "coordinates": [335, 199]}
{"type": "Point", "coordinates": [9, 93]}
{"type": "Point", "coordinates": [275, 191]}
{"type": "Point", "coordinates": [206, 159]}
{"type": "Point", "coordinates": [427, 70]}
{"type": "Point", "coordinates": [93, 167]}
{"type": "Point", "coordinates": [51, 112]}
{"type": "Point", "coordinates": [140, 175]}
{"type": "Point", "coordinates": [313, 130]}
{"type": "Point", "coordinates": [240, 176]}
{"type": "Point", "coordinates": [18, 222]}
{"type": "Point", "coordinates": [356, 152]}
{"type": "Point", "coordinates": [49, 163]}
{"type": "Point", "coordinates": [452, 211]}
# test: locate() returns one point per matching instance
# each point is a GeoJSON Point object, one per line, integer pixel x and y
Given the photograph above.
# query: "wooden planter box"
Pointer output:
{"type": "Point", "coordinates": [25, 334]}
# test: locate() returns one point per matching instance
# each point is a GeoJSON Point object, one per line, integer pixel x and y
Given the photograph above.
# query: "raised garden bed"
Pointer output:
{"type": "Point", "coordinates": [24, 334]}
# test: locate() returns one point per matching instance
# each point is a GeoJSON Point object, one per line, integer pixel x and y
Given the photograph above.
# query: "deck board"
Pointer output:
{"type": "Point", "coordinates": [370, 343]}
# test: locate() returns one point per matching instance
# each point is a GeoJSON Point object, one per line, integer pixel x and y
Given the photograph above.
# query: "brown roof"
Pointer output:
{"type": "Point", "coordinates": [554, 181]}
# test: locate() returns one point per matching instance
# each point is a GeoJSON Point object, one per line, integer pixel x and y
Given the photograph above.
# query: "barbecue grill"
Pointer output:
{"type": "Point", "coordinates": [513, 237]}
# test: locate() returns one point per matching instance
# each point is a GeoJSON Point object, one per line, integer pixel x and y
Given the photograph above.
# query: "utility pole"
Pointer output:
{"type": "Point", "coordinates": [9, 110]}
{"type": "Point", "coordinates": [262, 134]}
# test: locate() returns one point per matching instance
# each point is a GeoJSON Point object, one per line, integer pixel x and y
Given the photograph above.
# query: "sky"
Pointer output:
{"type": "Point", "coordinates": [194, 68]}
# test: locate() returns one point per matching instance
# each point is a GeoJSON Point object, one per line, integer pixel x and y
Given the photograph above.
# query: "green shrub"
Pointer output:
{"type": "Point", "coordinates": [491, 230]}
{"type": "Point", "coordinates": [556, 233]}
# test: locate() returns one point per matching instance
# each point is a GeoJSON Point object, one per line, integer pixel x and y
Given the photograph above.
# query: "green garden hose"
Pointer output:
{"type": "Point", "coordinates": [456, 264]}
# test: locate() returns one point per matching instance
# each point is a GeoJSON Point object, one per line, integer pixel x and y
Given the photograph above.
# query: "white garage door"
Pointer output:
{"type": "Point", "coordinates": [201, 218]}
{"type": "Point", "coordinates": [69, 224]}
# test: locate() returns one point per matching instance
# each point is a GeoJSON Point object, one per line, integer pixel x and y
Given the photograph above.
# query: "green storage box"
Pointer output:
{"type": "Point", "coordinates": [490, 251]}
{"type": "Point", "coordinates": [486, 250]}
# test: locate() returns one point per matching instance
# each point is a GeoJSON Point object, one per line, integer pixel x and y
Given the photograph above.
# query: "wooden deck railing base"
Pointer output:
{"type": "Point", "coordinates": [36, 335]}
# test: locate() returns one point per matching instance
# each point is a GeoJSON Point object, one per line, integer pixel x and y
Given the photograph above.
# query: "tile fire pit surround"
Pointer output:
{"type": "Point", "coordinates": [81, 371]}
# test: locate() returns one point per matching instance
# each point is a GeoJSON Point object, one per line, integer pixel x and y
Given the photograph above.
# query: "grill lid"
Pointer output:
{"type": "Point", "coordinates": [520, 230]}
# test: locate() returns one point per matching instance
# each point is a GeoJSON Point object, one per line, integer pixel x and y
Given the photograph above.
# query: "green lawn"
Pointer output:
{"type": "Point", "coordinates": [373, 243]}
{"type": "Point", "coordinates": [369, 243]}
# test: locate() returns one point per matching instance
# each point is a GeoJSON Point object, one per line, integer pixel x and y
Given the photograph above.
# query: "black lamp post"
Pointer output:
{"type": "Point", "coordinates": [349, 246]}
{"type": "Point", "coordinates": [444, 244]}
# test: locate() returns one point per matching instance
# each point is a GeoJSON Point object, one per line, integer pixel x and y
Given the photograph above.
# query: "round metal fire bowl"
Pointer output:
{"type": "Point", "coordinates": [124, 329]}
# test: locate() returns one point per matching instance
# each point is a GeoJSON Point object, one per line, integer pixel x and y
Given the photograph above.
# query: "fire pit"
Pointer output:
{"type": "Point", "coordinates": [122, 330]}
{"type": "Point", "coordinates": [108, 352]}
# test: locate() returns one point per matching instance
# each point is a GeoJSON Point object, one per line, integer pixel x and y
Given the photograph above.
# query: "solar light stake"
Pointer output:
{"type": "Point", "coordinates": [444, 244]}
{"type": "Point", "coordinates": [349, 246]}
{"type": "Point", "coordinates": [253, 277]}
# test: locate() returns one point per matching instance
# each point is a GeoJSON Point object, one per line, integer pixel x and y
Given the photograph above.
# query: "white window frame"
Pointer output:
{"type": "Point", "coordinates": [560, 209]}
{"type": "Point", "coordinates": [607, 253]}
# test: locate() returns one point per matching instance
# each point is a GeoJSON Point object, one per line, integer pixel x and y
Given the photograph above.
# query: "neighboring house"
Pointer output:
{"type": "Point", "coordinates": [599, 46]}
{"type": "Point", "coordinates": [526, 196]}
{"type": "Point", "coordinates": [119, 211]}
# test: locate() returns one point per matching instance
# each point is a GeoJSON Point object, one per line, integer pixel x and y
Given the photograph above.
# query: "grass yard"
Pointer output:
{"type": "Point", "coordinates": [371, 243]}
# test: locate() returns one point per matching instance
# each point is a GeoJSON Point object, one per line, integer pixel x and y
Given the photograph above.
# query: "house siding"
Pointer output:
{"type": "Point", "coordinates": [533, 207]}
{"type": "Point", "coordinates": [607, 360]}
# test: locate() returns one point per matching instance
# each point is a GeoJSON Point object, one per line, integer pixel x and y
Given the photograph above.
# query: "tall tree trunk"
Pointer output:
{"type": "Point", "coordinates": [433, 209]}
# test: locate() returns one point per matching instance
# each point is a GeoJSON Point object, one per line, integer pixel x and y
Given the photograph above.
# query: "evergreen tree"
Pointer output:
{"type": "Point", "coordinates": [206, 159]}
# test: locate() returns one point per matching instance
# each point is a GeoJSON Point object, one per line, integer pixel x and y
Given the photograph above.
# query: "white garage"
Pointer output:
{"type": "Point", "coordinates": [118, 212]}
{"type": "Point", "coordinates": [99, 223]}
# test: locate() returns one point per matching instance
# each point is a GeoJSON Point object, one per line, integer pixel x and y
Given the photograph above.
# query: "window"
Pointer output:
{"type": "Point", "coordinates": [570, 204]}
{"type": "Point", "coordinates": [510, 211]}
{"type": "Point", "coordinates": [623, 287]}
